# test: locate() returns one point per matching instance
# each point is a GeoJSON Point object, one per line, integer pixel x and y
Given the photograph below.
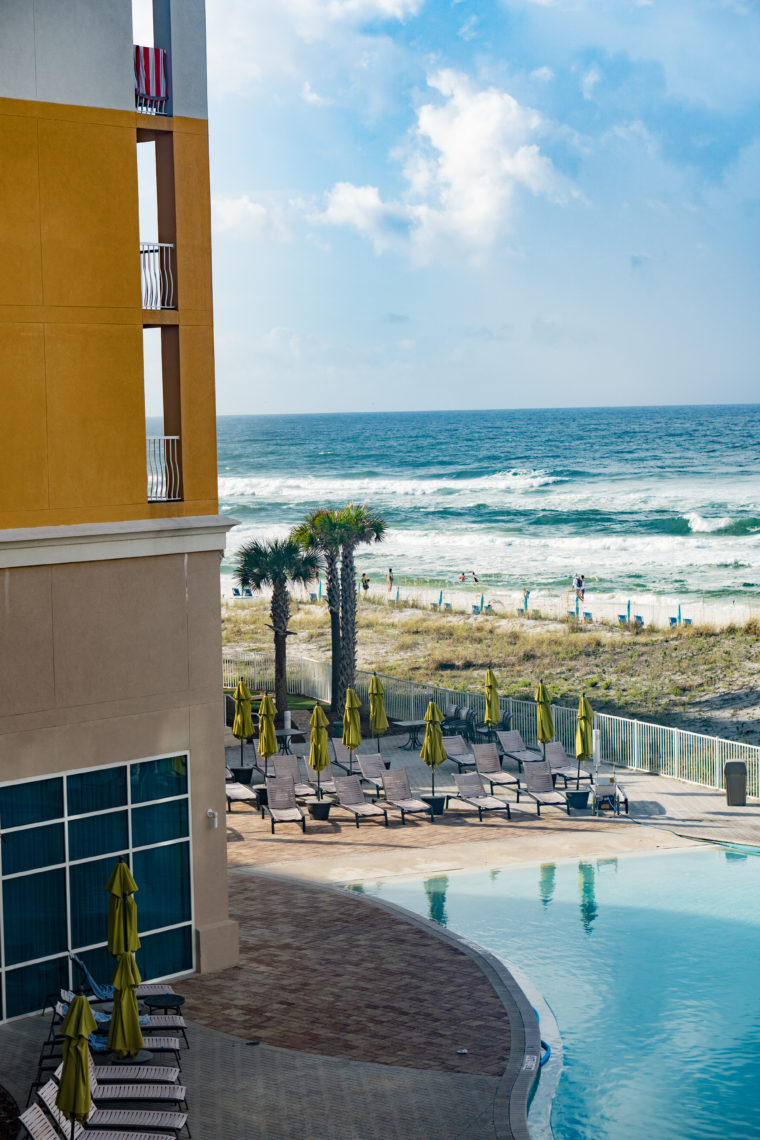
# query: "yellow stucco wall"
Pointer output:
{"type": "Point", "coordinates": [72, 418]}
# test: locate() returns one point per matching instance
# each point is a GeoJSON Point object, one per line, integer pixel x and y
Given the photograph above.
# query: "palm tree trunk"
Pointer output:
{"type": "Point", "coordinates": [347, 621]}
{"type": "Point", "coordinates": [333, 604]}
{"type": "Point", "coordinates": [280, 613]}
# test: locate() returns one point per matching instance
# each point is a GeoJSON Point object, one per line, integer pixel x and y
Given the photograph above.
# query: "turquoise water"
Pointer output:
{"type": "Point", "coordinates": [650, 967]}
{"type": "Point", "coordinates": [641, 500]}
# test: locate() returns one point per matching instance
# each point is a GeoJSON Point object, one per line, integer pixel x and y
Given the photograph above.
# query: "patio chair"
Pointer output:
{"type": "Point", "coordinates": [471, 791]}
{"type": "Point", "coordinates": [562, 765]}
{"type": "Point", "coordinates": [236, 793]}
{"type": "Point", "coordinates": [286, 768]}
{"type": "Point", "coordinates": [398, 794]}
{"type": "Point", "coordinates": [344, 758]}
{"type": "Point", "coordinates": [102, 1121]}
{"type": "Point", "coordinates": [135, 1091]}
{"type": "Point", "coordinates": [513, 745]}
{"type": "Point", "coordinates": [458, 752]}
{"type": "Point", "coordinates": [38, 1126]}
{"type": "Point", "coordinates": [488, 765]}
{"type": "Point", "coordinates": [149, 1023]}
{"type": "Point", "coordinates": [351, 797]}
{"type": "Point", "coordinates": [281, 804]}
{"type": "Point", "coordinates": [134, 1074]}
{"type": "Point", "coordinates": [540, 788]}
{"type": "Point", "coordinates": [372, 770]}
{"type": "Point", "coordinates": [326, 779]}
{"type": "Point", "coordinates": [104, 991]}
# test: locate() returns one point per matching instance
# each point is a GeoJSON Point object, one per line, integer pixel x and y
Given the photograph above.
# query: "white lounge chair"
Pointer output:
{"type": "Point", "coordinates": [125, 1119]}
{"type": "Point", "coordinates": [399, 795]}
{"type": "Point", "coordinates": [561, 764]}
{"type": "Point", "coordinates": [513, 745]}
{"type": "Point", "coordinates": [38, 1126]}
{"type": "Point", "coordinates": [351, 797]}
{"type": "Point", "coordinates": [236, 793]}
{"type": "Point", "coordinates": [458, 751]}
{"type": "Point", "coordinates": [540, 787]}
{"type": "Point", "coordinates": [488, 765]}
{"type": "Point", "coordinates": [281, 804]}
{"type": "Point", "coordinates": [471, 791]}
{"type": "Point", "coordinates": [286, 768]}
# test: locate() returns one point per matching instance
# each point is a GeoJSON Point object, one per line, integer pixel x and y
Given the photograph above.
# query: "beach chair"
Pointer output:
{"type": "Point", "coordinates": [513, 745]}
{"type": "Point", "coordinates": [236, 592]}
{"type": "Point", "coordinates": [134, 1074]}
{"type": "Point", "coordinates": [351, 797]}
{"type": "Point", "coordinates": [281, 804]}
{"type": "Point", "coordinates": [488, 765]}
{"type": "Point", "coordinates": [236, 793]}
{"type": "Point", "coordinates": [586, 616]}
{"type": "Point", "coordinates": [38, 1126]}
{"type": "Point", "coordinates": [673, 621]}
{"type": "Point", "coordinates": [326, 779]}
{"type": "Point", "coordinates": [458, 752]}
{"type": "Point", "coordinates": [313, 598]}
{"type": "Point", "coordinates": [104, 991]}
{"type": "Point", "coordinates": [563, 765]}
{"type": "Point", "coordinates": [398, 794]}
{"type": "Point", "coordinates": [247, 592]}
{"type": "Point", "coordinates": [447, 607]}
{"type": "Point", "coordinates": [286, 768]}
{"type": "Point", "coordinates": [622, 619]}
{"type": "Point", "coordinates": [638, 619]}
{"type": "Point", "coordinates": [345, 759]}
{"type": "Point", "coordinates": [471, 791]}
{"type": "Point", "coordinates": [476, 609]}
{"type": "Point", "coordinates": [372, 771]}
{"type": "Point", "coordinates": [101, 1122]}
{"type": "Point", "coordinates": [687, 621]}
{"type": "Point", "coordinates": [540, 787]}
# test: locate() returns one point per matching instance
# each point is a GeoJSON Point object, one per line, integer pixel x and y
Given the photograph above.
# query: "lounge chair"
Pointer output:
{"type": "Point", "coordinates": [38, 1126]}
{"type": "Point", "coordinates": [135, 1090]}
{"type": "Point", "coordinates": [134, 1074]}
{"type": "Point", "coordinates": [126, 1119]}
{"type": "Point", "coordinates": [471, 791]}
{"type": "Point", "coordinates": [458, 752]}
{"type": "Point", "coordinates": [247, 592]}
{"type": "Point", "coordinates": [540, 788]}
{"type": "Point", "coordinates": [372, 771]}
{"type": "Point", "coordinates": [281, 804]}
{"type": "Point", "coordinates": [326, 779]}
{"type": "Point", "coordinates": [104, 991]}
{"type": "Point", "coordinates": [150, 1024]}
{"type": "Point", "coordinates": [587, 616]}
{"type": "Point", "coordinates": [562, 765]}
{"type": "Point", "coordinates": [488, 766]}
{"type": "Point", "coordinates": [345, 759]}
{"type": "Point", "coordinates": [238, 793]}
{"type": "Point", "coordinates": [398, 794]}
{"type": "Point", "coordinates": [639, 621]}
{"type": "Point", "coordinates": [351, 797]}
{"type": "Point", "coordinates": [513, 745]}
{"type": "Point", "coordinates": [286, 768]}
{"type": "Point", "coordinates": [236, 592]}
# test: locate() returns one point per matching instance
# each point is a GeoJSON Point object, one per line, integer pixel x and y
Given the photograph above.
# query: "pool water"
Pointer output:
{"type": "Point", "coordinates": [651, 967]}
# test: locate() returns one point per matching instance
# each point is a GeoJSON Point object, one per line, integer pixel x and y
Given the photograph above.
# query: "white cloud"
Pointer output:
{"type": "Point", "coordinates": [466, 157]}
{"type": "Point", "coordinates": [310, 96]}
{"type": "Point", "coordinates": [240, 215]}
{"type": "Point", "coordinates": [542, 74]}
{"type": "Point", "coordinates": [590, 80]}
{"type": "Point", "coordinates": [469, 29]}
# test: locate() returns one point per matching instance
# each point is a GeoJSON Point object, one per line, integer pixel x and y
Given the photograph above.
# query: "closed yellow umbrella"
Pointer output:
{"type": "Point", "coordinates": [433, 752]}
{"type": "Point", "coordinates": [73, 1097]}
{"type": "Point", "coordinates": [378, 721]}
{"type": "Point", "coordinates": [493, 713]}
{"type": "Point", "coordinates": [267, 738]}
{"type": "Point", "coordinates": [319, 756]}
{"type": "Point", "coordinates": [352, 733]}
{"type": "Point", "coordinates": [584, 735]}
{"type": "Point", "coordinates": [242, 726]}
{"type": "Point", "coordinates": [545, 721]}
{"type": "Point", "coordinates": [122, 911]}
{"type": "Point", "coordinates": [124, 1033]}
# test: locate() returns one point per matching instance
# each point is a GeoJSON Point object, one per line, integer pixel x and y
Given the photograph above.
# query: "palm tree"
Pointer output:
{"type": "Point", "coordinates": [275, 562]}
{"type": "Point", "coordinates": [356, 525]}
{"type": "Point", "coordinates": [319, 532]}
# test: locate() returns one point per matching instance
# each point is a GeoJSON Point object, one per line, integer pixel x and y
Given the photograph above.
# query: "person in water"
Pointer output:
{"type": "Point", "coordinates": [462, 577]}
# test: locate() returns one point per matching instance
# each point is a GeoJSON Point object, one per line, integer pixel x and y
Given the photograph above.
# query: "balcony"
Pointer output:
{"type": "Point", "coordinates": [151, 84]}
{"type": "Point", "coordinates": [164, 469]}
{"type": "Point", "coordinates": [156, 261]}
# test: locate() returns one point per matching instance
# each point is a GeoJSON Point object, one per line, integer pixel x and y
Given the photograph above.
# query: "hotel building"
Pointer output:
{"type": "Point", "coordinates": [110, 538]}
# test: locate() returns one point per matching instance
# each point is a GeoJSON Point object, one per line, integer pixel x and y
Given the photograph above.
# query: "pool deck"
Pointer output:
{"type": "Point", "coordinates": [357, 1009]}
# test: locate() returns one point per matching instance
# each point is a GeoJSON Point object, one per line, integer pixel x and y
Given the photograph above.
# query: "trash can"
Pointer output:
{"type": "Point", "coordinates": [337, 729]}
{"type": "Point", "coordinates": [736, 783]}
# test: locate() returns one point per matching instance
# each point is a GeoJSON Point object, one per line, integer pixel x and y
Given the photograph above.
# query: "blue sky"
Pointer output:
{"type": "Point", "coordinates": [421, 204]}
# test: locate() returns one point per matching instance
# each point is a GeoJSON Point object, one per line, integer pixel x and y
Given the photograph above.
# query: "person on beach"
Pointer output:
{"type": "Point", "coordinates": [577, 585]}
{"type": "Point", "coordinates": [390, 579]}
{"type": "Point", "coordinates": [582, 588]}
{"type": "Point", "coordinates": [474, 577]}
{"type": "Point", "coordinates": [463, 577]}
{"type": "Point", "coordinates": [365, 584]}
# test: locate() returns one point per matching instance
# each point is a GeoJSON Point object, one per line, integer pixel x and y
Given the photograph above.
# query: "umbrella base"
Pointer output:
{"type": "Point", "coordinates": [141, 1058]}
{"type": "Point", "coordinates": [577, 799]}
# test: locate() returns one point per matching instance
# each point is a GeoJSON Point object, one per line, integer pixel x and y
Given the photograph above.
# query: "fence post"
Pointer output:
{"type": "Point", "coordinates": [717, 764]}
{"type": "Point", "coordinates": [636, 763]}
{"type": "Point", "coordinates": [676, 754]}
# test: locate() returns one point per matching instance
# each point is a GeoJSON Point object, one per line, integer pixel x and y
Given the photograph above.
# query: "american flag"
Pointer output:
{"type": "Point", "coordinates": [150, 73]}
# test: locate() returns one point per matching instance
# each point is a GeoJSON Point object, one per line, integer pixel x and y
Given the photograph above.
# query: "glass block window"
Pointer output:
{"type": "Point", "coordinates": [61, 837]}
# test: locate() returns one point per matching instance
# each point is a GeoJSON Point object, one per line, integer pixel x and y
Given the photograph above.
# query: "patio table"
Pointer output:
{"type": "Point", "coordinates": [413, 729]}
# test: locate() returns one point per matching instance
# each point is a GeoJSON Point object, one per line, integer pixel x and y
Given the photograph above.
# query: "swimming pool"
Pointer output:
{"type": "Point", "coordinates": [650, 965]}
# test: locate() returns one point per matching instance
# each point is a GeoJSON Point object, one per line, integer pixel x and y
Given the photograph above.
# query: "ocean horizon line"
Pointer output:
{"type": "Point", "coordinates": [385, 412]}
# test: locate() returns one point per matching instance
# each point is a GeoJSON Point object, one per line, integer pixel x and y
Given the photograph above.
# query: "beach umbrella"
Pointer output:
{"type": "Point", "coordinates": [319, 757]}
{"type": "Point", "coordinates": [242, 726]}
{"type": "Point", "coordinates": [482, 602]}
{"type": "Point", "coordinates": [122, 911]}
{"type": "Point", "coordinates": [73, 1097]}
{"type": "Point", "coordinates": [267, 737]}
{"type": "Point", "coordinates": [679, 613]}
{"type": "Point", "coordinates": [440, 600]}
{"type": "Point", "coordinates": [320, 590]}
{"type": "Point", "coordinates": [629, 611]}
{"type": "Point", "coordinates": [433, 752]}
{"type": "Point", "coordinates": [124, 1033]}
{"type": "Point", "coordinates": [545, 723]}
{"type": "Point", "coordinates": [493, 714]}
{"type": "Point", "coordinates": [584, 736]}
{"type": "Point", "coordinates": [352, 733]}
{"type": "Point", "coordinates": [378, 721]}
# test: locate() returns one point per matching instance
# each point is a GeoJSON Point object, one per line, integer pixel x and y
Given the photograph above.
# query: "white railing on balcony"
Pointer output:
{"type": "Point", "coordinates": [164, 482]}
{"type": "Point", "coordinates": [148, 105]}
{"type": "Point", "coordinates": [156, 259]}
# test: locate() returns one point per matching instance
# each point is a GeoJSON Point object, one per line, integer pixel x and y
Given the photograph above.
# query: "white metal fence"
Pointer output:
{"type": "Point", "coordinates": [156, 266]}
{"type": "Point", "coordinates": [629, 743]}
{"type": "Point", "coordinates": [164, 477]}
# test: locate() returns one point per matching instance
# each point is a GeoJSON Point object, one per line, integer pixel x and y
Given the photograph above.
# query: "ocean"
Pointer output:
{"type": "Point", "coordinates": [639, 500]}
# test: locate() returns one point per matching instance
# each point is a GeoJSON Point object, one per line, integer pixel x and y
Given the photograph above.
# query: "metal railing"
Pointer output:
{"type": "Point", "coordinates": [164, 470]}
{"type": "Point", "coordinates": [156, 267]}
{"type": "Point", "coordinates": [654, 748]}
{"type": "Point", "coordinates": [149, 106]}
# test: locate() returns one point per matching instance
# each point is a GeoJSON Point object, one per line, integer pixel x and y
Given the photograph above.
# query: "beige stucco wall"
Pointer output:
{"type": "Point", "coordinates": [109, 661]}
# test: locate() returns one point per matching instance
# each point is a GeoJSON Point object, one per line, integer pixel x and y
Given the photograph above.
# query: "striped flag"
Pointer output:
{"type": "Point", "coordinates": [150, 73]}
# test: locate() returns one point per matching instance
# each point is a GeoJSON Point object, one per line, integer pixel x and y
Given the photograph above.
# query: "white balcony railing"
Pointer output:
{"type": "Point", "coordinates": [156, 266]}
{"type": "Point", "coordinates": [162, 455]}
{"type": "Point", "coordinates": [147, 105]}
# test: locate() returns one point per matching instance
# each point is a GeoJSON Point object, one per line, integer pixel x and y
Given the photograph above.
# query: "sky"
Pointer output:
{"type": "Point", "coordinates": [422, 204]}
